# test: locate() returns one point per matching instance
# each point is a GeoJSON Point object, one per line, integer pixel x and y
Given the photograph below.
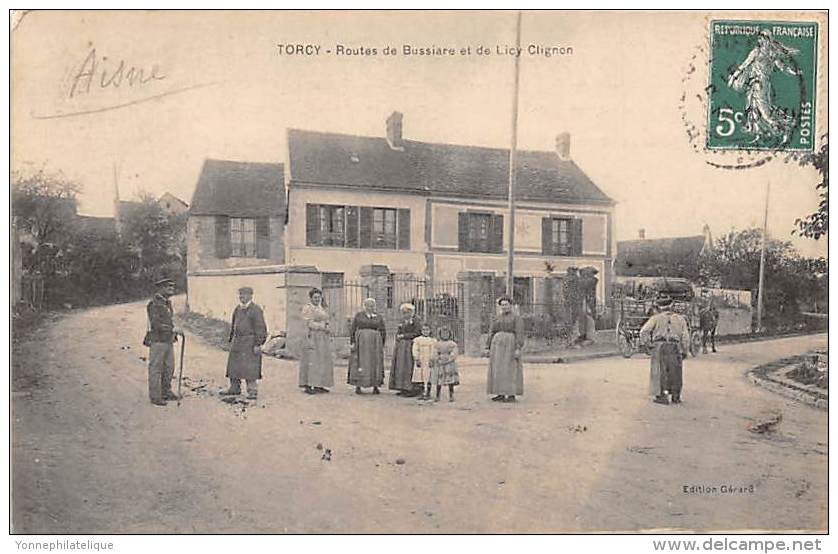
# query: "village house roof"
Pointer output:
{"type": "Point", "coordinates": [239, 189]}
{"type": "Point", "coordinates": [644, 257]}
{"type": "Point", "coordinates": [370, 163]}
{"type": "Point", "coordinates": [169, 197]}
{"type": "Point", "coordinates": [96, 225]}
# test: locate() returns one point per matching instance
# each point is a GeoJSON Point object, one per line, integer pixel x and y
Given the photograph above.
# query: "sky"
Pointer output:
{"type": "Point", "coordinates": [217, 85]}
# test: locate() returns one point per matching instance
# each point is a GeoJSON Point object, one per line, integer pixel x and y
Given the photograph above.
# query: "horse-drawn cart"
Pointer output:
{"type": "Point", "coordinates": [634, 301]}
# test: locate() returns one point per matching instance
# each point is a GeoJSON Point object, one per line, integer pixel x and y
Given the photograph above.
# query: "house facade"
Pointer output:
{"type": "Point", "coordinates": [438, 210]}
{"type": "Point", "coordinates": [364, 216]}
{"type": "Point", "coordinates": [235, 237]}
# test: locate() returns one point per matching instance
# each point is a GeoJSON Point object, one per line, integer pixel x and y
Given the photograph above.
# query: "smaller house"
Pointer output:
{"type": "Point", "coordinates": [664, 257]}
{"type": "Point", "coordinates": [172, 204]}
{"type": "Point", "coordinates": [235, 236]}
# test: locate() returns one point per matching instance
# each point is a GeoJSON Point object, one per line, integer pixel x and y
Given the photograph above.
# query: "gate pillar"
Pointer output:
{"type": "Point", "coordinates": [474, 298]}
{"type": "Point", "coordinates": [295, 282]}
{"type": "Point", "coordinates": [375, 278]}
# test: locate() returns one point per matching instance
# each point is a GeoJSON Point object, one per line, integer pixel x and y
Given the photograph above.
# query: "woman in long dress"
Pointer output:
{"type": "Point", "coordinates": [401, 371]}
{"type": "Point", "coordinates": [366, 341]}
{"type": "Point", "coordinates": [506, 339]}
{"type": "Point", "coordinates": [316, 364]}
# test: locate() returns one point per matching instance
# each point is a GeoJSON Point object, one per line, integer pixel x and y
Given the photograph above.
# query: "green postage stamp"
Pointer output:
{"type": "Point", "coordinates": [761, 94]}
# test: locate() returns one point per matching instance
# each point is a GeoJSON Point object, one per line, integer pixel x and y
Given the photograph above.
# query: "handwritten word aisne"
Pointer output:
{"type": "Point", "coordinates": [94, 71]}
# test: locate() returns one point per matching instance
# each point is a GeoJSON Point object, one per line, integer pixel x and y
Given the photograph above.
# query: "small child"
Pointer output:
{"type": "Point", "coordinates": [445, 369]}
{"type": "Point", "coordinates": [424, 354]}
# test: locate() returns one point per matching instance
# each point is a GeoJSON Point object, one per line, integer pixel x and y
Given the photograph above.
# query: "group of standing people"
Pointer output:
{"type": "Point", "coordinates": [419, 360]}
{"type": "Point", "coordinates": [421, 363]}
{"type": "Point", "coordinates": [248, 333]}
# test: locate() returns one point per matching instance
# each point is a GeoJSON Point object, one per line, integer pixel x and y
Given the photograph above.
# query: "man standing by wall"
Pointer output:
{"type": "Point", "coordinates": [160, 338]}
{"type": "Point", "coordinates": [669, 336]}
{"type": "Point", "coordinates": [247, 334]}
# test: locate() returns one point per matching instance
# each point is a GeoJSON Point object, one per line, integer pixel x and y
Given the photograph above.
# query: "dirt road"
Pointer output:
{"type": "Point", "coordinates": [584, 450]}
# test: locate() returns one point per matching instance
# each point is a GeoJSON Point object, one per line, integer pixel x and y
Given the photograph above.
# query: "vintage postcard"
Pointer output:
{"type": "Point", "coordinates": [419, 272]}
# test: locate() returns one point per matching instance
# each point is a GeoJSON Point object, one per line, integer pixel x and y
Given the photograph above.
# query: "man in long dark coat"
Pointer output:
{"type": "Point", "coordinates": [248, 333]}
{"type": "Point", "coordinates": [159, 338]}
{"type": "Point", "coordinates": [669, 336]}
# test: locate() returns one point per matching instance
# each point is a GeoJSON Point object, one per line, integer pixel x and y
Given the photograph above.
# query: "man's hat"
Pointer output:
{"type": "Point", "coordinates": [164, 283]}
{"type": "Point", "coordinates": [663, 301]}
{"type": "Point", "coordinates": [246, 289]}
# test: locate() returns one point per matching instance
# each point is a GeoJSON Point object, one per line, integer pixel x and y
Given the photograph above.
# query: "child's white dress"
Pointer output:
{"type": "Point", "coordinates": [424, 356]}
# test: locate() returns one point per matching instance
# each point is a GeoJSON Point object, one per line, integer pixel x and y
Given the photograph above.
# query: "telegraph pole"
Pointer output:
{"type": "Point", "coordinates": [762, 258]}
{"type": "Point", "coordinates": [510, 262]}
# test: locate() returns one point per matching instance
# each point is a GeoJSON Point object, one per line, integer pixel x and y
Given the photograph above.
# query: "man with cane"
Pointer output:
{"type": "Point", "coordinates": [160, 338]}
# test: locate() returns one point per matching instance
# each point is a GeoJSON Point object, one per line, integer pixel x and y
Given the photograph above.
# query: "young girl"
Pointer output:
{"type": "Point", "coordinates": [424, 354]}
{"type": "Point", "coordinates": [446, 363]}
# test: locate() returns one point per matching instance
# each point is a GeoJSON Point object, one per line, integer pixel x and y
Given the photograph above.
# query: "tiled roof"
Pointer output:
{"type": "Point", "coordinates": [94, 225]}
{"type": "Point", "coordinates": [239, 189]}
{"type": "Point", "coordinates": [440, 169]}
{"type": "Point", "coordinates": [643, 257]}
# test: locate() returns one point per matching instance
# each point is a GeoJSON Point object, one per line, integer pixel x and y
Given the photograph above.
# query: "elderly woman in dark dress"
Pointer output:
{"type": "Point", "coordinates": [506, 339]}
{"type": "Point", "coordinates": [401, 372]}
{"type": "Point", "coordinates": [366, 341]}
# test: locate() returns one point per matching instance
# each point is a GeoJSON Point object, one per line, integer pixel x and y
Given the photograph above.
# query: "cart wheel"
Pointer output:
{"type": "Point", "coordinates": [695, 343]}
{"type": "Point", "coordinates": [623, 341]}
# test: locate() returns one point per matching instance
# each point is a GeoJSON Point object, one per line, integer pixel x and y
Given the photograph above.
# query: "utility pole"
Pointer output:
{"type": "Point", "coordinates": [762, 259]}
{"type": "Point", "coordinates": [513, 154]}
{"type": "Point", "coordinates": [116, 218]}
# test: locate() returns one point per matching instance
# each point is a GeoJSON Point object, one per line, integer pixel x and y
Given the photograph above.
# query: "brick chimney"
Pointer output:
{"type": "Point", "coordinates": [563, 146]}
{"type": "Point", "coordinates": [641, 234]}
{"type": "Point", "coordinates": [394, 131]}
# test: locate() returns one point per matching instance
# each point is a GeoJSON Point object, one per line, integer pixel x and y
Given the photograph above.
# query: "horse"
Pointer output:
{"type": "Point", "coordinates": [708, 319]}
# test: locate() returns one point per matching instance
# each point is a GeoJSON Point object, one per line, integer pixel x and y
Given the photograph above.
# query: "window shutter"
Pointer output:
{"type": "Point", "coordinates": [576, 236]}
{"type": "Point", "coordinates": [365, 228]}
{"type": "Point", "coordinates": [263, 237]}
{"type": "Point", "coordinates": [547, 236]}
{"type": "Point", "coordinates": [223, 248]}
{"type": "Point", "coordinates": [403, 220]}
{"type": "Point", "coordinates": [312, 225]}
{"type": "Point", "coordinates": [496, 233]}
{"type": "Point", "coordinates": [462, 232]}
{"type": "Point", "coordinates": [352, 226]}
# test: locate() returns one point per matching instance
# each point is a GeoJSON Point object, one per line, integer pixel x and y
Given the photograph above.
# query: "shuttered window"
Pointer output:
{"type": "Point", "coordinates": [480, 232]}
{"type": "Point", "coordinates": [384, 228]}
{"type": "Point", "coordinates": [242, 237]}
{"type": "Point", "coordinates": [357, 227]}
{"type": "Point", "coordinates": [561, 236]}
{"type": "Point", "coordinates": [332, 225]}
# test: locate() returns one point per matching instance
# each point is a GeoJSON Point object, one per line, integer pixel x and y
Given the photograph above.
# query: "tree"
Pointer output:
{"type": "Point", "coordinates": [790, 280]}
{"type": "Point", "coordinates": [44, 206]}
{"type": "Point", "coordinates": [816, 225]}
{"type": "Point", "coordinates": [157, 240]}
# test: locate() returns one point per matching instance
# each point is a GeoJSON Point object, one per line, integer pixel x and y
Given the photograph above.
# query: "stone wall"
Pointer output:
{"type": "Point", "coordinates": [281, 291]}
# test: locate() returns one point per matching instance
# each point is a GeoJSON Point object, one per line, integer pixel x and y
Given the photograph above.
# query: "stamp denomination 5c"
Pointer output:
{"type": "Point", "coordinates": [762, 85]}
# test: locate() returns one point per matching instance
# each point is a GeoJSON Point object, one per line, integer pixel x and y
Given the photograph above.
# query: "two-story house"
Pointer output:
{"type": "Point", "coordinates": [436, 210]}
